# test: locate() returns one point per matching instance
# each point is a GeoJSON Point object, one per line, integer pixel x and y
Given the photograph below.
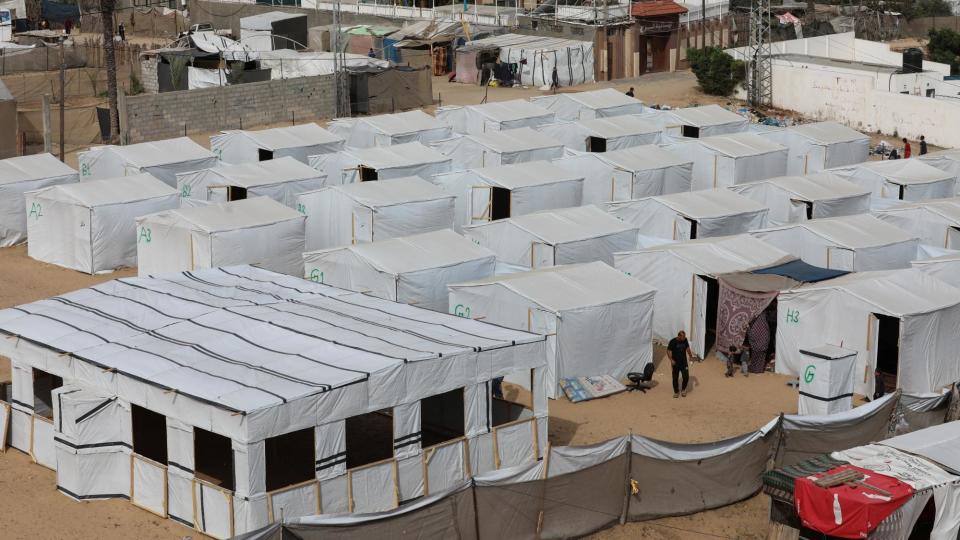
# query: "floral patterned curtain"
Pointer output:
{"type": "Point", "coordinates": [736, 309]}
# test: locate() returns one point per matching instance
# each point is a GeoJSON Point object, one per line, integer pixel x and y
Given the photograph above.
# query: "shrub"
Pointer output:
{"type": "Point", "coordinates": [717, 72]}
{"type": "Point", "coordinates": [944, 47]}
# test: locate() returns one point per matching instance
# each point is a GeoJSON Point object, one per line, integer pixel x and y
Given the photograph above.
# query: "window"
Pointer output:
{"type": "Point", "coordinates": [43, 386]}
{"type": "Point", "coordinates": [509, 402]}
{"type": "Point", "coordinates": [596, 144]}
{"type": "Point", "coordinates": [235, 193]}
{"type": "Point", "coordinates": [290, 459]}
{"type": "Point", "coordinates": [149, 434]}
{"type": "Point", "coordinates": [213, 458]}
{"type": "Point", "coordinates": [441, 417]}
{"type": "Point", "coordinates": [264, 155]}
{"type": "Point", "coordinates": [367, 174]}
{"type": "Point", "coordinates": [369, 438]}
{"type": "Point", "coordinates": [690, 131]}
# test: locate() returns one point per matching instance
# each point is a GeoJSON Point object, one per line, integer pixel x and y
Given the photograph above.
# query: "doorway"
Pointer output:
{"type": "Point", "coordinates": [690, 131]}
{"type": "Point", "coordinates": [888, 348]}
{"type": "Point", "coordinates": [713, 302]}
{"type": "Point", "coordinates": [264, 155]}
{"type": "Point", "coordinates": [596, 144]}
{"type": "Point", "coordinates": [235, 193]}
{"type": "Point", "coordinates": [499, 203]}
{"type": "Point", "coordinates": [367, 174]}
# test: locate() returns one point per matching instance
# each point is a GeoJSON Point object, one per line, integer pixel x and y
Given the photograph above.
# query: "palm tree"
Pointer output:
{"type": "Point", "coordinates": [106, 17]}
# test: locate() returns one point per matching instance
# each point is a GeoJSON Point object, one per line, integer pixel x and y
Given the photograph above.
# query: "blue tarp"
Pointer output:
{"type": "Point", "coordinates": [59, 13]}
{"type": "Point", "coordinates": [801, 271]}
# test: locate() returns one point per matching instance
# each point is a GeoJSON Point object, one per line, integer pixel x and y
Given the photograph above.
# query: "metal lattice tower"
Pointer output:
{"type": "Point", "coordinates": [341, 77]}
{"type": "Point", "coordinates": [759, 81]}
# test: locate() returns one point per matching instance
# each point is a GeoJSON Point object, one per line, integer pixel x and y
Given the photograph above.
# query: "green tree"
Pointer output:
{"type": "Point", "coordinates": [717, 72]}
{"type": "Point", "coordinates": [944, 47]}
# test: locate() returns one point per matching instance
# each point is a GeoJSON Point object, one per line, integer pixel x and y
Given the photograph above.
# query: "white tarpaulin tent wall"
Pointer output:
{"type": "Point", "coordinates": [705, 121]}
{"type": "Point", "coordinates": [500, 148]}
{"type": "Point", "coordinates": [596, 319]}
{"type": "Point", "coordinates": [823, 145]}
{"type": "Point", "coordinates": [380, 163]}
{"type": "Point", "coordinates": [258, 231]}
{"type": "Point", "coordinates": [390, 129]}
{"type": "Point", "coordinates": [593, 104]}
{"type": "Point", "coordinates": [903, 179]}
{"type": "Point", "coordinates": [565, 236]}
{"type": "Point", "coordinates": [162, 159]}
{"type": "Point", "coordinates": [854, 243]}
{"type": "Point", "coordinates": [281, 179]}
{"type": "Point", "coordinates": [256, 31]}
{"type": "Point", "coordinates": [494, 193]}
{"type": "Point", "coordinates": [89, 226]}
{"type": "Point", "coordinates": [240, 356]}
{"type": "Point", "coordinates": [679, 272]}
{"type": "Point", "coordinates": [22, 174]}
{"type": "Point", "coordinates": [944, 267]}
{"type": "Point", "coordinates": [947, 161]}
{"type": "Point", "coordinates": [728, 160]}
{"type": "Point", "coordinates": [901, 322]}
{"type": "Point", "coordinates": [936, 222]}
{"type": "Point", "coordinates": [688, 216]}
{"type": "Point", "coordinates": [494, 116]}
{"type": "Point", "coordinates": [792, 199]}
{"type": "Point", "coordinates": [412, 270]}
{"type": "Point", "coordinates": [370, 211]}
{"type": "Point", "coordinates": [298, 142]}
{"type": "Point", "coordinates": [604, 134]}
{"type": "Point", "coordinates": [538, 56]}
{"type": "Point", "coordinates": [630, 173]}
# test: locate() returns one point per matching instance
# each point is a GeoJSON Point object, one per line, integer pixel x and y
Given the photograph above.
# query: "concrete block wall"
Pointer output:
{"type": "Point", "coordinates": [174, 114]}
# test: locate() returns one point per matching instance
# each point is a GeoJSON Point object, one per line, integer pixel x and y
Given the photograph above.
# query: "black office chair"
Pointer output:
{"type": "Point", "coordinates": [641, 381]}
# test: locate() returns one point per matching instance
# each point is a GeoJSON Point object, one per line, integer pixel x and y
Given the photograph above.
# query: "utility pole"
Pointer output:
{"type": "Point", "coordinates": [63, 96]}
{"type": "Point", "coordinates": [47, 135]}
{"type": "Point", "coordinates": [760, 64]}
{"type": "Point", "coordinates": [340, 76]}
{"type": "Point", "coordinates": [703, 24]}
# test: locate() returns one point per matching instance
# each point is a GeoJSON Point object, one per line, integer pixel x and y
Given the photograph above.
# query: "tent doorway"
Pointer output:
{"type": "Point", "coordinates": [703, 326]}
{"type": "Point", "coordinates": [713, 302]}
{"type": "Point", "coordinates": [43, 386]}
{"type": "Point", "coordinates": [499, 203]}
{"type": "Point", "coordinates": [596, 144]}
{"type": "Point", "coordinates": [887, 348]}
{"type": "Point", "coordinates": [264, 155]}
{"type": "Point", "coordinates": [953, 238]}
{"type": "Point", "coordinates": [367, 174]}
{"type": "Point", "coordinates": [690, 131]}
{"type": "Point", "coordinates": [235, 193]}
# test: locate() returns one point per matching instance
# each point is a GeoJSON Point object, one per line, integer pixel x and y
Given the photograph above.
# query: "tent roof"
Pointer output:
{"type": "Point", "coordinates": [119, 190]}
{"type": "Point", "coordinates": [856, 231]}
{"type": "Point", "coordinates": [392, 191]}
{"type": "Point", "coordinates": [828, 132]}
{"type": "Point", "coordinates": [515, 109]}
{"type": "Point", "coordinates": [937, 443]}
{"type": "Point", "coordinates": [950, 153]}
{"type": "Point", "coordinates": [398, 155]}
{"type": "Point", "coordinates": [601, 99]}
{"type": "Point", "coordinates": [779, 277]}
{"type": "Point", "coordinates": [724, 254]}
{"type": "Point", "coordinates": [35, 167]}
{"type": "Point", "coordinates": [435, 249]}
{"type": "Point", "coordinates": [149, 154]}
{"type": "Point", "coordinates": [261, 173]}
{"type": "Point", "coordinates": [741, 144]}
{"type": "Point", "coordinates": [898, 292]}
{"type": "Point", "coordinates": [529, 173]}
{"type": "Point", "coordinates": [949, 209]}
{"type": "Point", "coordinates": [643, 158]}
{"type": "Point", "coordinates": [212, 334]}
{"type": "Point", "coordinates": [569, 224]}
{"type": "Point", "coordinates": [706, 115]}
{"type": "Point", "coordinates": [264, 21]}
{"type": "Point", "coordinates": [710, 203]}
{"type": "Point", "coordinates": [905, 171]}
{"type": "Point", "coordinates": [514, 140]}
{"type": "Point", "coordinates": [242, 214]}
{"type": "Point", "coordinates": [619, 126]}
{"type": "Point", "coordinates": [819, 186]}
{"type": "Point", "coordinates": [292, 136]}
{"type": "Point", "coordinates": [403, 123]}
{"type": "Point", "coordinates": [571, 286]}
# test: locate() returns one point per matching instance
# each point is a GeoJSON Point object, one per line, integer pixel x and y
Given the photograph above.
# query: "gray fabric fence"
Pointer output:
{"type": "Point", "coordinates": [574, 491]}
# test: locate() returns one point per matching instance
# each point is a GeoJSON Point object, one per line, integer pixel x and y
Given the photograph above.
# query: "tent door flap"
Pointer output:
{"type": "Point", "coordinates": [481, 203]}
{"type": "Point", "coordinates": [698, 316]}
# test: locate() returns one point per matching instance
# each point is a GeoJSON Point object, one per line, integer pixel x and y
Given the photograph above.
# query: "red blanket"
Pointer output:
{"type": "Point", "coordinates": [848, 511]}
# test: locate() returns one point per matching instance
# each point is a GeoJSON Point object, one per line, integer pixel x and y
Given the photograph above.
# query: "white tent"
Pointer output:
{"type": "Point", "coordinates": [822, 145]}
{"type": "Point", "coordinates": [494, 116]}
{"type": "Point", "coordinates": [281, 179]}
{"type": "Point", "coordinates": [592, 104]}
{"type": "Point", "coordinates": [257, 31]}
{"type": "Point", "coordinates": [298, 142]}
{"type": "Point", "coordinates": [162, 159]}
{"type": "Point", "coordinates": [947, 161]}
{"type": "Point", "coordinates": [857, 243]}
{"type": "Point", "coordinates": [537, 57]}
{"type": "Point", "coordinates": [704, 121]}
{"type": "Point", "coordinates": [936, 222]}
{"type": "Point", "coordinates": [412, 269]}
{"type": "Point", "coordinates": [258, 231]}
{"type": "Point", "coordinates": [492, 193]}
{"type": "Point", "coordinates": [903, 323]}
{"type": "Point", "coordinates": [222, 366]}
{"type": "Point", "coordinates": [371, 211]}
{"type": "Point", "coordinates": [728, 160]}
{"type": "Point", "coordinates": [792, 199]}
{"type": "Point", "coordinates": [691, 215]}
{"type": "Point", "coordinates": [89, 226]}
{"type": "Point", "coordinates": [596, 319]}
{"type": "Point", "coordinates": [380, 163]}
{"type": "Point", "coordinates": [945, 268]}
{"type": "Point", "coordinates": [605, 134]}
{"type": "Point", "coordinates": [904, 179]}
{"type": "Point", "coordinates": [499, 148]}
{"type": "Point", "coordinates": [390, 129]}
{"type": "Point", "coordinates": [19, 175]}
{"type": "Point", "coordinates": [630, 173]}
{"type": "Point", "coordinates": [683, 272]}
{"type": "Point", "coordinates": [565, 236]}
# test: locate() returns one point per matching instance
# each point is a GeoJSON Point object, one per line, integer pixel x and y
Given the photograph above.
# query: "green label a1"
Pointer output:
{"type": "Point", "coordinates": [145, 235]}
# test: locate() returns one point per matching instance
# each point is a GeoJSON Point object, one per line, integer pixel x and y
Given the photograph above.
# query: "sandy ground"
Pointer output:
{"type": "Point", "coordinates": [715, 408]}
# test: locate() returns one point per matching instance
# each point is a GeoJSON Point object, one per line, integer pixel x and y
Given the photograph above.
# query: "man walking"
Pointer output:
{"type": "Point", "coordinates": [679, 349]}
{"type": "Point", "coordinates": [923, 145]}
